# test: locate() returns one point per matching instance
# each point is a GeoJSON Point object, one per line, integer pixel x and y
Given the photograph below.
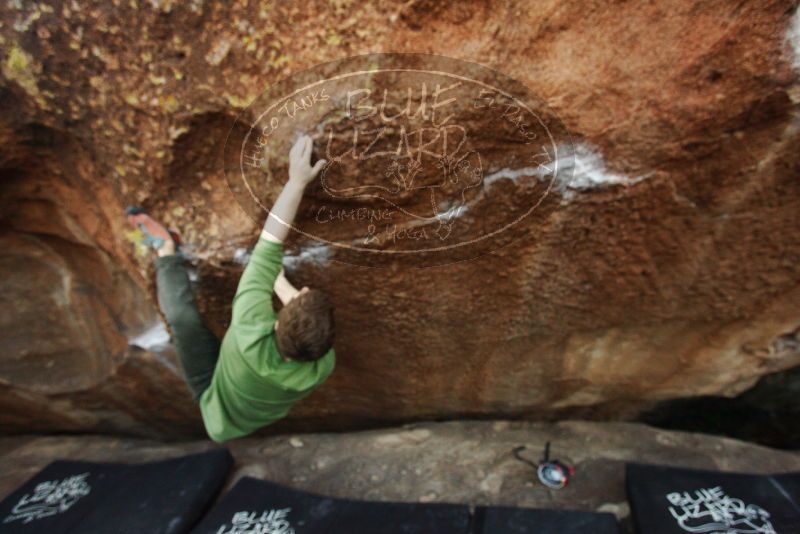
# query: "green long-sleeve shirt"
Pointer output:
{"type": "Point", "coordinates": [252, 385]}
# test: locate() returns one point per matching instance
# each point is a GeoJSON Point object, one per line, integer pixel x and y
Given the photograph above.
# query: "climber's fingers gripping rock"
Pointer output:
{"type": "Point", "coordinates": [300, 169]}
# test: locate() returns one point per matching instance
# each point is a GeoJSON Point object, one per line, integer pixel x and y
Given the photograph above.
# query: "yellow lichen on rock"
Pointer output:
{"type": "Point", "coordinates": [20, 67]}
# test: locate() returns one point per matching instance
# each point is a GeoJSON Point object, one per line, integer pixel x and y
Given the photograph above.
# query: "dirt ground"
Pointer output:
{"type": "Point", "coordinates": [463, 462]}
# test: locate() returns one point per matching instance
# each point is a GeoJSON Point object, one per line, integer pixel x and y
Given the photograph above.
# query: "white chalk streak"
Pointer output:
{"type": "Point", "coordinates": [317, 254]}
{"type": "Point", "coordinates": [585, 169]}
{"type": "Point", "coordinates": [793, 37]}
{"type": "Point", "coordinates": [242, 256]}
{"type": "Point", "coordinates": [514, 174]}
{"type": "Point", "coordinates": [153, 338]}
{"type": "Point", "coordinates": [581, 169]}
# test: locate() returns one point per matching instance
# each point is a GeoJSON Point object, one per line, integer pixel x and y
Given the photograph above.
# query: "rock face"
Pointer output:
{"type": "Point", "coordinates": [663, 265]}
{"type": "Point", "coordinates": [458, 462]}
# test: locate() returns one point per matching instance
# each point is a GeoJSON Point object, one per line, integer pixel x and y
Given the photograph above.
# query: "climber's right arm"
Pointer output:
{"type": "Point", "coordinates": [284, 288]}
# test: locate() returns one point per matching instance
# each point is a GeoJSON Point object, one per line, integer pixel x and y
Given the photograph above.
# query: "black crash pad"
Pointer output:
{"type": "Point", "coordinates": [503, 520]}
{"type": "Point", "coordinates": [84, 497]}
{"type": "Point", "coordinates": [666, 500]}
{"type": "Point", "coordinates": [255, 506]}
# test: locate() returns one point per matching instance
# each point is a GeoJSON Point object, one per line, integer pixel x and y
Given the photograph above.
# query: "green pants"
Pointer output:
{"type": "Point", "coordinates": [197, 346]}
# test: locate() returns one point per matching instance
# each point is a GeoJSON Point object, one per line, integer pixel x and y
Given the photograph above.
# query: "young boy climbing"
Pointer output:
{"type": "Point", "coordinates": [267, 361]}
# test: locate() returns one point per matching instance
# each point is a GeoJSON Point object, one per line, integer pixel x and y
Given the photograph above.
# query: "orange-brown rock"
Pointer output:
{"type": "Point", "coordinates": [666, 266]}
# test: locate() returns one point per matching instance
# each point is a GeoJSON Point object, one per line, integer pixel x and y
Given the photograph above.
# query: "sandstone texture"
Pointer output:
{"type": "Point", "coordinates": [666, 264]}
{"type": "Point", "coordinates": [460, 462]}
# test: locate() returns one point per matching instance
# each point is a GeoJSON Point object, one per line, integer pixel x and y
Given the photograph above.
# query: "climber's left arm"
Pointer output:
{"type": "Point", "coordinates": [252, 303]}
{"type": "Point", "coordinates": [301, 173]}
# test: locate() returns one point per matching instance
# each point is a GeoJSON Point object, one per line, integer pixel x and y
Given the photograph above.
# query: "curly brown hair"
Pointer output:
{"type": "Point", "coordinates": [305, 327]}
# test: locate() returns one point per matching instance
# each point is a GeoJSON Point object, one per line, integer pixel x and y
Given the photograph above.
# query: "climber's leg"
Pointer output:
{"type": "Point", "coordinates": [197, 346]}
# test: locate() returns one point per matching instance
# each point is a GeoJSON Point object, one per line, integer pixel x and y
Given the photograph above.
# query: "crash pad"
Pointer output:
{"type": "Point", "coordinates": [85, 497]}
{"type": "Point", "coordinates": [507, 520]}
{"type": "Point", "coordinates": [668, 500]}
{"type": "Point", "coordinates": [255, 506]}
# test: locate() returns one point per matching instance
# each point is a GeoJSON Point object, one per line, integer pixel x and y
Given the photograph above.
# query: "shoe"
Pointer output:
{"type": "Point", "coordinates": [155, 234]}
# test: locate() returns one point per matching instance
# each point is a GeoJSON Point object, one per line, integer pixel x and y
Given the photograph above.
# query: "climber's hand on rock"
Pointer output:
{"type": "Point", "coordinates": [301, 172]}
{"type": "Point", "coordinates": [300, 169]}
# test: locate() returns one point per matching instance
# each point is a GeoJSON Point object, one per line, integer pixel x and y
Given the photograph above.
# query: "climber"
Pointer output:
{"type": "Point", "coordinates": [267, 361]}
